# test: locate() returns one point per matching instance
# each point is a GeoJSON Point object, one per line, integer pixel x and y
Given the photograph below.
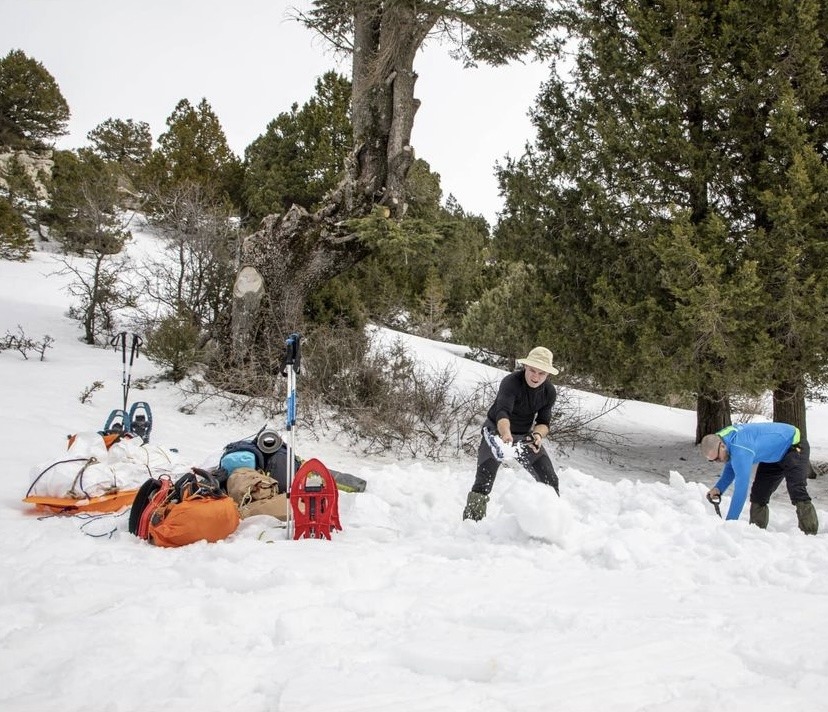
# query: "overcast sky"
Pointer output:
{"type": "Point", "coordinates": [136, 60]}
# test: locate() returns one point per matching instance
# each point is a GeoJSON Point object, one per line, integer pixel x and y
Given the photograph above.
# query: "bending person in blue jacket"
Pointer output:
{"type": "Point", "coordinates": [780, 453]}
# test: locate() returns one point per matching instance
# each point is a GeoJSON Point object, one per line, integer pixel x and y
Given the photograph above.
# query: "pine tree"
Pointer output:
{"type": "Point", "coordinates": [32, 108]}
{"type": "Point", "coordinates": [640, 200]}
{"type": "Point", "coordinates": [301, 154]}
{"type": "Point", "coordinates": [780, 116]}
{"type": "Point", "coordinates": [84, 214]}
{"type": "Point", "coordinates": [497, 321]}
{"type": "Point", "coordinates": [25, 187]}
{"type": "Point", "coordinates": [15, 243]}
{"type": "Point", "coordinates": [126, 143]}
{"type": "Point", "coordinates": [194, 150]}
{"type": "Point", "coordinates": [431, 317]}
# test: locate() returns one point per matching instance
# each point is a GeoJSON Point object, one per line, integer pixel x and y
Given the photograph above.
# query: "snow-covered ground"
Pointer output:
{"type": "Point", "coordinates": [627, 593]}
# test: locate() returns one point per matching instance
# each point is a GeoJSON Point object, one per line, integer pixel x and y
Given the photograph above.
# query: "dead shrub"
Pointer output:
{"type": "Point", "coordinates": [379, 399]}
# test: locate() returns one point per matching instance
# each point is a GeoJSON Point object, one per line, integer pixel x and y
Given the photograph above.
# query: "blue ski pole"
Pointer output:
{"type": "Point", "coordinates": [290, 368]}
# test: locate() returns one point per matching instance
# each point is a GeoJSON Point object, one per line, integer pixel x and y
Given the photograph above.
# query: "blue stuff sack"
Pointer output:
{"type": "Point", "coordinates": [238, 458]}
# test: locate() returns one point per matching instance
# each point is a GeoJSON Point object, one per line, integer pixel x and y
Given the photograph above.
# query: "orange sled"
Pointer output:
{"type": "Point", "coordinates": [67, 505]}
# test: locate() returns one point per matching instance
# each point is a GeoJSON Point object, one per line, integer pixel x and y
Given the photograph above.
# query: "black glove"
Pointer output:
{"type": "Point", "coordinates": [529, 440]}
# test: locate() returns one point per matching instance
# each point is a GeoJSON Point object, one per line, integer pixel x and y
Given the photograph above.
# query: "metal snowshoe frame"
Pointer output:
{"type": "Point", "coordinates": [140, 420]}
{"type": "Point", "coordinates": [501, 452]}
{"type": "Point", "coordinates": [117, 422]}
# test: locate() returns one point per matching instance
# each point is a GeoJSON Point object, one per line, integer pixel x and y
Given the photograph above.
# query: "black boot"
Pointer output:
{"type": "Point", "coordinates": [807, 516]}
{"type": "Point", "coordinates": [759, 515]}
{"type": "Point", "coordinates": [475, 506]}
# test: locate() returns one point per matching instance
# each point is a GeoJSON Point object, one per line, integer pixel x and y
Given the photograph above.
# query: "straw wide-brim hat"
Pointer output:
{"type": "Point", "coordinates": [541, 359]}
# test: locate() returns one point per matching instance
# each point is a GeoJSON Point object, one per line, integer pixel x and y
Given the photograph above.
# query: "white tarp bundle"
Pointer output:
{"type": "Point", "coordinates": [87, 469]}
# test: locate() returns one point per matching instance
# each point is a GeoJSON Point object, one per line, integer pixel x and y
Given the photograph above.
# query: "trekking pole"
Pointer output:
{"type": "Point", "coordinates": [137, 343]}
{"type": "Point", "coordinates": [715, 500]}
{"type": "Point", "coordinates": [121, 339]}
{"type": "Point", "coordinates": [290, 367]}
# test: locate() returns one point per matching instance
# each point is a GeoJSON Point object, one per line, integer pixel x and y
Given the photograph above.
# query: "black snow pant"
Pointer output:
{"type": "Point", "coordinates": [537, 463]}
{"type": "Point", "coordinates": [794, 468]}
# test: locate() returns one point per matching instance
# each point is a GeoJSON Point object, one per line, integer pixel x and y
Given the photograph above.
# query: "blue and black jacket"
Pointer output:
{"type": "Point", "coordinates": [748, 445]}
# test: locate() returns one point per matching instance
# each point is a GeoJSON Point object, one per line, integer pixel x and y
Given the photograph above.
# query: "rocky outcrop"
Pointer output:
{"type": "Point", "coordinates": [35, 165]}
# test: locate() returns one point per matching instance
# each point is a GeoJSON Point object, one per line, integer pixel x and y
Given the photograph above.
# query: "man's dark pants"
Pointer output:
{"type": "Point", "coordinates": [794, 468]}
{"type": "Point", "coordinates": [537, 463]}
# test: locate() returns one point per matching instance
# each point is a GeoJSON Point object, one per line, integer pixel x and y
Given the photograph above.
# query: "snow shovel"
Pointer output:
{"type": "Point", "coordinates": [715, 500]}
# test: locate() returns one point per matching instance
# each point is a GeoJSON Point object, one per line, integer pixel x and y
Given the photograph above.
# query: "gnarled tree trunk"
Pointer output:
{"type": "Point", "coordinates": [295, 253]}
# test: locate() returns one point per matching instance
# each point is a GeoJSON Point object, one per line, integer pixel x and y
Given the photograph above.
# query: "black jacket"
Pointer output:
{"type": "Point", "coordinates": [522, 405]}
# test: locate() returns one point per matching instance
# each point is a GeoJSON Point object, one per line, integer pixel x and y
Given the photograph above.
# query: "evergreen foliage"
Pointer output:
{"type": "Point", "coordinates": [126, 143]}
{"type": "Point", "coordinates": [383, 39]}
{"type": "Point", "coordinates": [491, 32]}
{"type": "Point", "coordinates": [194, 151]}
{"type": "Point", "coordinates": [32, 108]}
{"type": "Point", "coordinates": [498, 320]}
{"type": "Point", "coordinates": [25, 189]}
{"type": "Point", "coordinates": [173, 345]}
{"type": "Point", "coordinates": [15, 243]}
{"type": "Point", "coordinates": [84, 215]}
{"type": "Point", "coordinates": [301, 154]}
{"type": "Point", "coordinates": [673, 200]}
{"type": "Point", "coordinates": [122, 141]}
{"type": "Point", "coordinates": [432, 260]}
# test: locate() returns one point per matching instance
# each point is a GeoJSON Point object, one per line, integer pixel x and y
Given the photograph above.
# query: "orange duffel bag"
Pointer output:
{"type": "Point", "coordinates": [195, 508]}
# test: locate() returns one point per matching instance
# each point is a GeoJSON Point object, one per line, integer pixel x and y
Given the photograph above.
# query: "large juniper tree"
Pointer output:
{"type": "Point", "coordinates": [778, 142]}
{"type": "Point", "coordinates": [296, 251]}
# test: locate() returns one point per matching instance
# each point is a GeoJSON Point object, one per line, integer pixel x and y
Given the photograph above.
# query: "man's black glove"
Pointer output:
{"type": "Point", "coordinates": [530, 441]}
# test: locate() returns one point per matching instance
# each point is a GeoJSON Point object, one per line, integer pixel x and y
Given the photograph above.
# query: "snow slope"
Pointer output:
{"type": "Point", "coordinates": [627, 593]}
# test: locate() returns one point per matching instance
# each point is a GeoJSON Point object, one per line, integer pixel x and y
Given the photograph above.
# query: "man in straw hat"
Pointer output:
{"type": "Point", "coordinates": [779, 452]}
{"type": "Point", "coordinates": [521, 413]}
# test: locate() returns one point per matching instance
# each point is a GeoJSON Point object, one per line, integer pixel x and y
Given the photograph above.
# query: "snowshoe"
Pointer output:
{"type": "Point", "coordinates": [495, 444]}
{"type": "Point", "coordinates": [502, 451]}
{"type": "Point", "coordinates": [140, 420]}
{"type": "Point", "coordinates": [117, 422]}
